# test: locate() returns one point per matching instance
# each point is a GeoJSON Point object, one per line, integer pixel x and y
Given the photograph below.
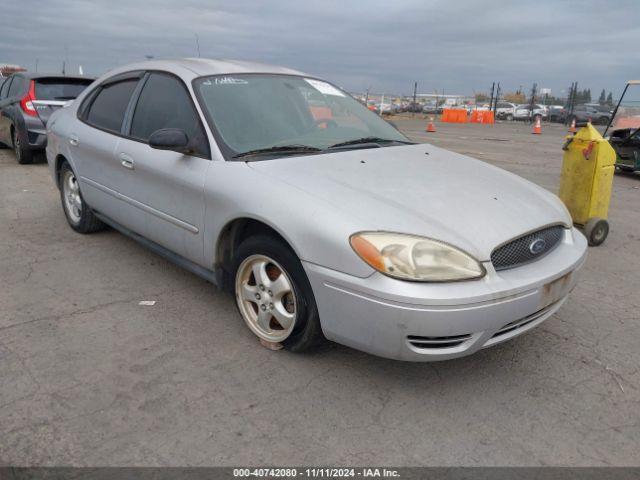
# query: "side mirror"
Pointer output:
{"type": "Point", "coordinates": [174, 139]}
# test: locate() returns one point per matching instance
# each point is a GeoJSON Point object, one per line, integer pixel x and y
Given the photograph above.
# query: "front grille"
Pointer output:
{"type": "Point", "coordinates": [520, 251]}
{"type": "Point", "coordinates": [437, 342]}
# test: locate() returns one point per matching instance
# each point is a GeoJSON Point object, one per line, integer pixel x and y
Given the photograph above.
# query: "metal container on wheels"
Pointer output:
{"type": "Point", "coordinates": [585, 184]}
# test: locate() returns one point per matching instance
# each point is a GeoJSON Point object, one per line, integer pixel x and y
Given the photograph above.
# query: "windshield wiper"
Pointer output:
{"type": "Point", "coordinates": [286, 149]}
{"type": "Point", "coordinates": [365, 140]}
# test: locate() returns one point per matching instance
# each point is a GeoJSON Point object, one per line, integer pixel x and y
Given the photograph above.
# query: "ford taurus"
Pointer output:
{"type": "Point", "coordinates": [320, 217]}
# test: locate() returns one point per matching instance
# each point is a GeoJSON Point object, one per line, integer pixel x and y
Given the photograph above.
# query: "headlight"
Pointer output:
{"type": "Point", "coordinates": [408, 257]}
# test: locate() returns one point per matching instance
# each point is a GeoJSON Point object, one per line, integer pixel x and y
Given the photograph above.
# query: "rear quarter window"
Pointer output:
{"type": "Point", "coordinates": [17, 86]}
{"type": "Point", "coordinates": [4, 87]}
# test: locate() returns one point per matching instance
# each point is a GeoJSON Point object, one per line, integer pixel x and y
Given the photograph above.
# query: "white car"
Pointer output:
{"type": "Point", "coordinates": [505, 110]}
{"type": "Point", "coordinates": [523, 112]}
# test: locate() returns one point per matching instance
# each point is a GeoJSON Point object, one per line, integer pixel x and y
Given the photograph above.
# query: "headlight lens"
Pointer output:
{"type": "Point", "coordinates": [408, 257]}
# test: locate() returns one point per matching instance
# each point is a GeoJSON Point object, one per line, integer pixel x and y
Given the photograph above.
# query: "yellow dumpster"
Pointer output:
{"type": "Point", "coordinates": [585, 184]}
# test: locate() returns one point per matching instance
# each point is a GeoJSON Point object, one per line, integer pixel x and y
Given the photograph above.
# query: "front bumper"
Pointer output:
{"type": "Point", "coordinates": [438, 321]}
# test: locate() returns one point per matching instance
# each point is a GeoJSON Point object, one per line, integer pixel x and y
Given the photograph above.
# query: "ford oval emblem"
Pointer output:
{"type": "Point", "coordinates": [537, 246]}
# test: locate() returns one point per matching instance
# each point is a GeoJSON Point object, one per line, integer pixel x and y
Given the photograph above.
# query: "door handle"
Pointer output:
{"type": "Point", "coordinates": [73, 141]}
{"type": "Point", "coordinates": [126, 161]}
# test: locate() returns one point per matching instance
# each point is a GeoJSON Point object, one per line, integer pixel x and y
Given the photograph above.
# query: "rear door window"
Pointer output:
{"type": "Point", "coordinates": [17, 86]}
{"type": "Point", "coordinates": [60, 88]}
{"type": "Point", "coordinates": [110, 104]}
{"type": "Point", "coordinates": [165, 103]}
{"type": "Point", "coordinates": [5, 88]}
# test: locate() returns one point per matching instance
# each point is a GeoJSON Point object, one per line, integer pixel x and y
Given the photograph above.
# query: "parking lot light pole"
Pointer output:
{"type": "Point", "coordinates": [415, 92]}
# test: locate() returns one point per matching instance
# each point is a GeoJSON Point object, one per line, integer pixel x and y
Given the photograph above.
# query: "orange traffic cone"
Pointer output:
{"type": "Point", "coordinates": [537, 128]}
{"type": "Point", "coordinates": [430, 127]}
{"type": "Point", "coordinates": [572, 128]}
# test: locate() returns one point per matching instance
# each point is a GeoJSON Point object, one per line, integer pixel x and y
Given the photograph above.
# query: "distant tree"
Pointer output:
{"type": "Point", "coordinates": [610, 99]}
{"type": "Point", "coordinates": [517, 97]}
{"type": "Point", "coordinates": [603, 97]}
{"type": "Point", "coordinates": [482, 97]}
{"type": "Point", "coordinates": [587, 95]}
{"type": "Point", "coordinates": [551, 100]}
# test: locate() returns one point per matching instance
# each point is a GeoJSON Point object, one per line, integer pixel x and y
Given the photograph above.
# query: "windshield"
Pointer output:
{"type": "Point", "coordinates": [60, 88]}
{"type": "Point", "coordinates": [252, 112]}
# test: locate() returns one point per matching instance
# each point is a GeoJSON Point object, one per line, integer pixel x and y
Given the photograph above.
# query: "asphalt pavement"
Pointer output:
{"type": "Point", "coordinates": [90, 377]}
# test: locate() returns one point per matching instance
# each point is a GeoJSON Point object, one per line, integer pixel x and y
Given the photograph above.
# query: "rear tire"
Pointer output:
{"type": "Point", "coordinates": [78, 214]}
{"type": "Point", "coordinates": [23, 154]}
{"type": "Point", "coordinates": [280, 260]}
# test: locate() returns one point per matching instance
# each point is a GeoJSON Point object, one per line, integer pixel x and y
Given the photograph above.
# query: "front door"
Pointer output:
{"type": "Point", "coordinates": [168, 187]}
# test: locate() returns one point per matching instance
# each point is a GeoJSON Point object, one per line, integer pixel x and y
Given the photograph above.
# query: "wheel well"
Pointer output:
{"type": "Point", "coordinates": [231, 236]}
{"type": "Point", "coordinates": [58, 165]}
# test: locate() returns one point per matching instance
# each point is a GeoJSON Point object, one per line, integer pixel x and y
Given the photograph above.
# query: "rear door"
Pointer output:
{"type": "Point", "coordinates": [11, 114]}
{"type": "Point", "coordinates": [4, 124]}
{"type": "Point", "coordinates": [51, 93]}
{"type": "Point", "coordinates": [94, 141]}
{"type": "Point", "coordinates": [168, 186]}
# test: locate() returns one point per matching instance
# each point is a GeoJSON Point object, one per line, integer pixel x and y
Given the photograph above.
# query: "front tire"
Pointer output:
{"type": "Point", "coordinates": [22, 152]}
{"type": "Point", "coordinates": [273, 294]}
{"type": "Point", "coordinates": [596, 231]}
{"type": "Point", "coordinates": [78, 214]}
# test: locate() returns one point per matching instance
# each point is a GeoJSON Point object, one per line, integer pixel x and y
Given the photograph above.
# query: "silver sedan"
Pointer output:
{"type": "Point", "coordinates": [322, 219]}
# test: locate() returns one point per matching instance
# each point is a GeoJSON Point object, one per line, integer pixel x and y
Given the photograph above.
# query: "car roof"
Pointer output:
{"type": "Point", "coordinates": [205, 66]}
{"type": "Point", "coordinates": [37, 75]}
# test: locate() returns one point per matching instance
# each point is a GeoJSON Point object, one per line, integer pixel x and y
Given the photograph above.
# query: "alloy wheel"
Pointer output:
{"type": "Point", "coordinates": [71, 195]}
{"type": "Point", "coordinates": [266, 298]}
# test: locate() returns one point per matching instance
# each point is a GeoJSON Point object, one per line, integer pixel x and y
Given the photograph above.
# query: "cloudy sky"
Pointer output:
{"type": "Point", "coordinates": [461, 46]}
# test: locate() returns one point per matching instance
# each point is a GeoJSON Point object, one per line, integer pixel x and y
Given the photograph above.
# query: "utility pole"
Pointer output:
{"type": "Point", "coordinates": [36, 64]}
{"type": "Point", "coordinates": [63, 67]}
{"type": "Point", "coordinates": [198, 44]}
{"type": "Point", "coordinates": [415, 93]}
{"type": "Point", "coordinates": [493, 86]}
{"type": "Point", "coordinates": [573, 92]}
{"type": "Point", "coordinates": [66, 59]}
{"type": "Point", "coordinates": [495, 104]}
{"type": "Point", "coordinates": [533, 100]}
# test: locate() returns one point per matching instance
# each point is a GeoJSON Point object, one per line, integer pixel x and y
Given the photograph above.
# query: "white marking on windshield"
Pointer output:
{"type": "Point", "coordinates": [324, 87]}
{"type": "Point", "coordinates": [225, 81]}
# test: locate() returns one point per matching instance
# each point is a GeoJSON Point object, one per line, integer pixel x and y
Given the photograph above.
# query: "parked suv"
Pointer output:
{"type": "Point", "coordinates": [523, 112]}
{"type": "Point", "coordinates": [26, 102]}
{"type": "Point", "coordinates": [505, 110]}
{"type": "Point", "coordinates": [596, 114]}
{"type": "Point", "coordinates": [557, 113]}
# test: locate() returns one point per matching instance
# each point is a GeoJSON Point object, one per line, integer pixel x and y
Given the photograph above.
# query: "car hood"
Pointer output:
{"type": "Point", "coordinates": [423, 190]}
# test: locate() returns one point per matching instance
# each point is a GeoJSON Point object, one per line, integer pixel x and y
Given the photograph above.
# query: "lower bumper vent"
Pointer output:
{"type": "Point", "coordinates": [518, 324]}
{"type": "Point", "coordinates": [437, 342]}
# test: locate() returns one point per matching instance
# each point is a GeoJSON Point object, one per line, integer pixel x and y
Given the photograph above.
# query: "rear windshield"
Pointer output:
{"type": "Point", "coordinates": [60, 88]}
